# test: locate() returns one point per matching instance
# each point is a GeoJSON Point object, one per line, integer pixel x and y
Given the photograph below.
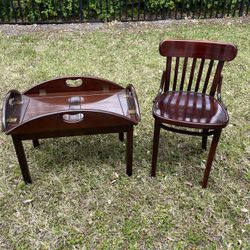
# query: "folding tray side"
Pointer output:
{"type": "Point", "coordinates": [133, 105]}
{"type": "Point", "coordinates": [71, 120]}
{"type": "Point", "coordinates": [13, 109]}
{"type": "Point", "coordinates": [73, 84]}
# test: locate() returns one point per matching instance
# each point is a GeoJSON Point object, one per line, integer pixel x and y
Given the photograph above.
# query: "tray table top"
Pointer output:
{"type": "Point", "coordinates": [113, 101]}
{"type": "Point", "coordinates": [116, 102]}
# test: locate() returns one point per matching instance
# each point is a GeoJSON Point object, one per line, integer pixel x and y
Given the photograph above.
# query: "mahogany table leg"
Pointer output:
{"type": "Point", "coordinates": [36, 143]}
{"type": "Point", "coordinates": [121, 137]}
{"type": "Point", "coordinates": [21, 159]}
{"type": "Point", "coordinates": [155, 148]}
{"type": "Point", "coordinates": [129, 153]}
{"type": "Point", "coordinates": [210, 159]}
{"type": "Point", "coordinates": [204, 140]}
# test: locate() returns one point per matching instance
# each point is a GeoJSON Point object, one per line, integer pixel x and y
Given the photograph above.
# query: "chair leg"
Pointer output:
{"type": "Point", "coordinates": [36, 143]}
{"type": "Point", "coordinates": [121, 137]}
{"type": "Point", "coordinates": [129, 153]}
{"type": "Point", "coordinates": [155, 148]}
{"type": "Point", "coordinates": [210, 159]}
{"type": "Point", "coordinates": [21, 159]}
{"type": "Point", "coordinates": [204, 140]}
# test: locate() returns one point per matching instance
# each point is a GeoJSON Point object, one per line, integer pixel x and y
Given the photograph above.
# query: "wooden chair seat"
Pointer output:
{"type": "Point", "coordinates": [190, 109]}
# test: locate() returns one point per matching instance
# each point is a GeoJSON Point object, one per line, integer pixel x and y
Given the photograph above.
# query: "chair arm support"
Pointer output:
{"type": "Point", "coordinates": [219, 92]}
{"type": "Point", "coordinates": [160, 91]}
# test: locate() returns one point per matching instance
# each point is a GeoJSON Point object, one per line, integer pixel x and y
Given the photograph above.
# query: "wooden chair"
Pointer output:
{"type": "Point", "coordinates": [191, 104]}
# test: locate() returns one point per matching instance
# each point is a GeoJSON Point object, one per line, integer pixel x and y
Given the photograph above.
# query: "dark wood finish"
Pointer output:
{"type": "Point", "coordinates": [187, 108]}
{"type": "Point", "coordinates": [216, 78]}
{"type": "Point", "coordinates": [199, 75]}
{"type": "Point", "coordinates": [121, 137]}
{"type": "Point", "coordinates": [70, 106]}
{"type": "Point", "coordinates": [13, 97]}
{"type": "Point", "coordinates": [62, 85]}
{"type": "Point", "coordinates": [129, 155]}
{"type": "Point", "coordinates": [190, 109]}
{"type": "Point", "coordinates": [204, 139]}
{"type": "Point", "coordinates": [198, 49]}
{"type": "Point", "coordinates": [210, 158]}
{"type": "Point", "coordinates": [183, 73]}
{"type": "Point", "coordinates": [21, 159]}
{"type": "Point", "coordinates": [192, 74]}
{"type": "Point", "coordinates": [155, 147]}
{"type": "Point", "coordinates": [36, 143]}
{"type": "Point", "coordinates": [176, 72]}
{"type": "Point", "coordinates": [168, 73]}
{"type": "Point", "coordinates": [211, 63]}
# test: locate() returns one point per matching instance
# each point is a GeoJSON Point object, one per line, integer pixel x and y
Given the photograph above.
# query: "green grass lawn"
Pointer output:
{"type": "Point", "coordinates": [81, 196]}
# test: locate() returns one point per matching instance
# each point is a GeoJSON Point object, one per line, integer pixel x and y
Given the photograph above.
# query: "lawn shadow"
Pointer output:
{"type": "Point", "coordinates": [182, 155]}
{"type": "Point", "coordinates": [91, 150]}
{"type": "Point", "coordinates": [179, 155]}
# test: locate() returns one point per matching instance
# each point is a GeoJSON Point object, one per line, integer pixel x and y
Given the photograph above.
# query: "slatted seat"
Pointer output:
{"type": "Point", "coordinates": [191, 109]}
{"type": "Point", "coordinates": [190, 93]}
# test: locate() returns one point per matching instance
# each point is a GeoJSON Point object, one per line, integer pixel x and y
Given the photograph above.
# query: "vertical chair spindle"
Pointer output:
{"type": "Point", "coordinates": [168, 74]}
{"type": "Point", "coordinates": [210, 67]}
{"type": "Point", "coordinates": [192, 74]}
{"type": "Point", "coordinates": [184, 73]}
{"type": "Point", "coordinates": [197, 85]}
{"type": "Point", "coordinates": [176, 72]}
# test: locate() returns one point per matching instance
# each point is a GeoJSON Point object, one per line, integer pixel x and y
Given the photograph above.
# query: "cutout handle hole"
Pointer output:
{"type": "Point", "coordinates": [73, 118]}
{"type": "Point", "coordinates": [74, 83]}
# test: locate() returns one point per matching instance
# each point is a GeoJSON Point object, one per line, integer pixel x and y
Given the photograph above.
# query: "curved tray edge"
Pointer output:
{"type": "Point", "coordinates": [60, 84]}
{"type": "Point", "coordinates": [56, 119]}
{"type": "Point", "coordinates": [130, 88]}
{"type": "Point", "coordinates": [11, 94]}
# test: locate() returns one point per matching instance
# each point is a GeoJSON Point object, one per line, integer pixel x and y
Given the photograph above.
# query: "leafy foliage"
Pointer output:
{"type": "Point", "coordinates": [107, 10]}
{"type": "Point", "coordinates": [81, 197]}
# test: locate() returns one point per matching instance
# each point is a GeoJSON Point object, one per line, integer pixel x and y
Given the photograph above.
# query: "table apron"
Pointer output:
{"type": "Point", "coordinates": [76, 132]}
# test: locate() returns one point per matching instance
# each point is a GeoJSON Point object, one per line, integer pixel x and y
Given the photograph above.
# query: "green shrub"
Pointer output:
{"type": "Point", "coordinates": [104, 10]}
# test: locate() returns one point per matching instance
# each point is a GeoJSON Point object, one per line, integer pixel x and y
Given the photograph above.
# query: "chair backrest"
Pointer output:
{"type": "Point", "coordinates": [197, 61]}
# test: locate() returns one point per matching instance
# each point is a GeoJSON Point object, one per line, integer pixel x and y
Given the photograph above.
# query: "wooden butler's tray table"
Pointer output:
{"type": "Point", "coordinates": [70, 106]}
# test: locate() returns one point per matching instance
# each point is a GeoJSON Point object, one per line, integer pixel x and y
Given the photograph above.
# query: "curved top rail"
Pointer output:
{"type": "Point", "coordinates": [198, 49]}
